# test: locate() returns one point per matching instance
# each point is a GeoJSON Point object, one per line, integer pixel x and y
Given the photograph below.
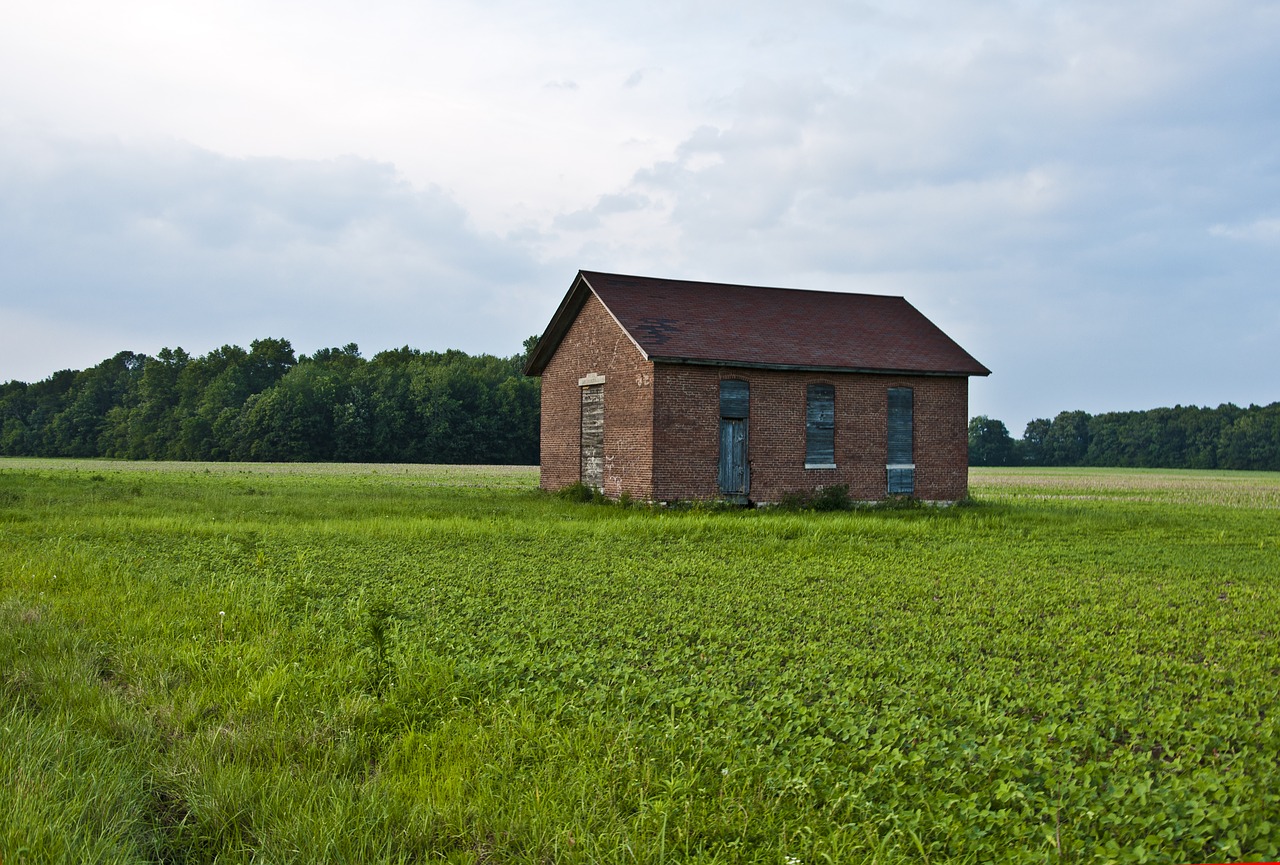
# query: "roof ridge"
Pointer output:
{"type": "Point", "coordinates": [740, 285]}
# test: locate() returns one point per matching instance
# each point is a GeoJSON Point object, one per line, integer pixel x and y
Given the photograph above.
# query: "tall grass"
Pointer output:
{"type": "Point", "coordinates": [423, 664]}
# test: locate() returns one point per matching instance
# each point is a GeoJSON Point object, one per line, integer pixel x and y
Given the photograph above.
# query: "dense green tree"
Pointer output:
{"type": "Point", "coordinates": [394, 429]}
{"type": "Point", "coordinates": [294, 420]}
{"type": "Point", "coordinates": [1253, 441]}
{"type": "Point", "coordinates": [1203, 428]}
{"type": "Point", "coordinates": [146, 423]}
{"type": "Point", "coordinates": [16, 406]}
{"type": "Point", "coordinates": [1179, 437]}
{"type": "Point", "coordinates": [523, 358]}
{"type": "Point", "coordinates": [990, 443]}
{"type": "Point", "coordinates": [268, 404]}
{"type": "Point", "coordinates": [1033, 439]}
{"type": "Point", "coordinates": [80, 429]}
{"type": "Point", "coordinates": [1067, 441]}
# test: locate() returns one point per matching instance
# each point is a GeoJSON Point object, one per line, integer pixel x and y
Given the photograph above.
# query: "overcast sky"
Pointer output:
{"type": "Point", "coordinates": [1085, 195]}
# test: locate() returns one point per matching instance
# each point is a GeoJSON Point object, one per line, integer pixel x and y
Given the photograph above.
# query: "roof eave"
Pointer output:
{"type": "Point", "coordinates": [801, 367]}
{"type": "Point", "coordinates": [574, 299]}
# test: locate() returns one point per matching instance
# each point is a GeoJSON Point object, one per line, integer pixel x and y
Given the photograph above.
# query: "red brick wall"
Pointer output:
{"type": "Point", "coordinates": [596, 344]}
{"type": "Point", "coordinates": [686, 424]}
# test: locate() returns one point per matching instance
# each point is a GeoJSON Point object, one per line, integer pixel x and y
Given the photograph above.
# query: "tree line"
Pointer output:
{"type": "Point", "coordinates": [406, 405]}
{"type": "Point", "coordinates": [1226, 437]}
{"type": "Point", "coordinates": [267, 404]}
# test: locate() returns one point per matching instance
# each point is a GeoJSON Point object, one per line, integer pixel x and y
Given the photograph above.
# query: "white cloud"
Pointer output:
{"type": "Point", "coordinates": [1263, 230]}
{"type": "Point", "coordinates": [201, 249]}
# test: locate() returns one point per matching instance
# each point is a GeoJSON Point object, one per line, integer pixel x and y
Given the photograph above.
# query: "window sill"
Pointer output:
{"type": "Point", "coordinates": [819, 465]}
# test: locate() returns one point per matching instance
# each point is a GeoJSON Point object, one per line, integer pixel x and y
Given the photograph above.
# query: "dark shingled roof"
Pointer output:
{"type": "Point", "coordinates": [677, 321]}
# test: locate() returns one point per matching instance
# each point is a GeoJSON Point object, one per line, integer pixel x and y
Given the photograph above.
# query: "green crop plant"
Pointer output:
{"type": "Point", "coordinates": [242, 663]}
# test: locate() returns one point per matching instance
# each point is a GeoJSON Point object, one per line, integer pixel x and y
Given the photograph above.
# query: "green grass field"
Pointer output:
{"type": "Point", "coordinates": [257, 663]}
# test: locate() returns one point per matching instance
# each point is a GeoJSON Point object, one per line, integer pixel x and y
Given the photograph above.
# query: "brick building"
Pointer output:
{"type": "Point", "coordinates": [667, 389]}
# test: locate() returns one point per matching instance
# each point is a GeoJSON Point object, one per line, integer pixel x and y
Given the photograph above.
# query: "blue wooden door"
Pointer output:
{"type": "Point", "coordinates": [734, 481]}
{"type": "Point", "coordinates": [735, 477]}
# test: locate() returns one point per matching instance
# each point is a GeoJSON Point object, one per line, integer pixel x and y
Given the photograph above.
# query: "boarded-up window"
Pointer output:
{"type": "Point", "coordinates": [820, 427]}
{"type": "Point", "coordinates": [593, 435]}
{"type": "Point", "coordinates": [735, 399]}
{"type": "Point", "coordinates": [901, 462]}
{"type": "Point", "coordinates": [735, 407]}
